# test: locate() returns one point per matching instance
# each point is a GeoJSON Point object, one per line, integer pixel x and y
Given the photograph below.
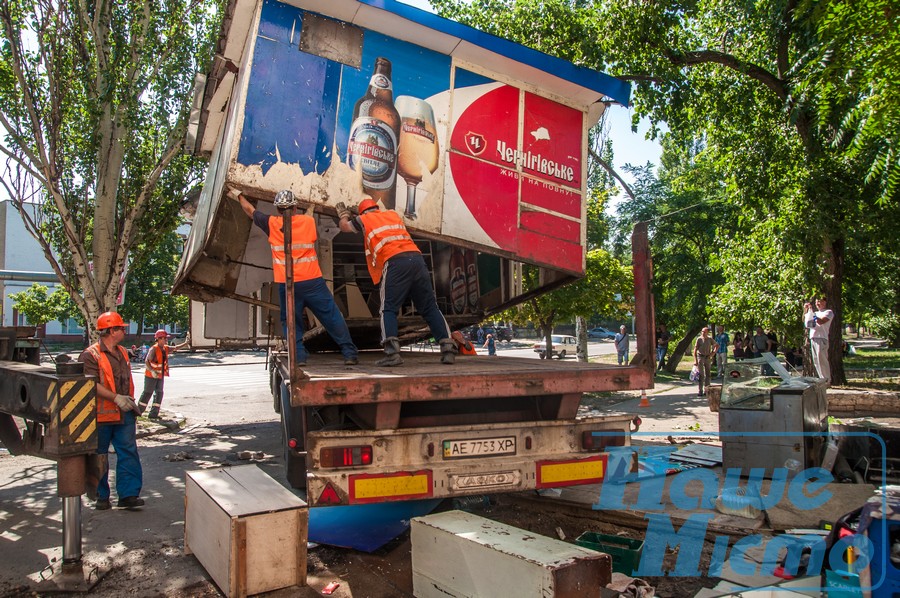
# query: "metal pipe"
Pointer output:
{"type": "Point", "coordinates": [22, 275]}
{"type": "Point", "coordinates": [71, 529]}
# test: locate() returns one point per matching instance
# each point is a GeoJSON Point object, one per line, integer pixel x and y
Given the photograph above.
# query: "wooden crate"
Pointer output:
{"type": "Point", "coordinates": [246, 529]}
{"type": "Point", "coordinates": [461, 554]}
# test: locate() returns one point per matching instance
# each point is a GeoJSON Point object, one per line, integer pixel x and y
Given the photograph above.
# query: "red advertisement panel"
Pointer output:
{"type": "Point", "coordinates": [491, 195]}
{"type": "Point", "coordinates": [542, 249]}
{"type": "Point", "coordinates": [550, 225]}
{"type": "Point", "coordinates": [551, 197]}
{"type": "Point", "coordinates": [551, 145]}
{"type": "Point", "coordinates": [487, 122]}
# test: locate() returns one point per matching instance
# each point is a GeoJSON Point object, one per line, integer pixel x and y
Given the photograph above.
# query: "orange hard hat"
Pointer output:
{"type": "Point", "coordinates": [161, 334]}
{"type": "Point", "coordinates": [367, 204]}
{"type": "Point", "coordinates": [109, 319]}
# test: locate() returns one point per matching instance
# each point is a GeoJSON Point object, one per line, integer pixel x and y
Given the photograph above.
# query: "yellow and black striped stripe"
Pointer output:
{"type": "Point", "coordinates": [73, 409]}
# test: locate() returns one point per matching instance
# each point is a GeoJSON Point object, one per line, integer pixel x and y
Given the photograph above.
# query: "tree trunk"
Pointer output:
{"type": "Point", "coordinates": [684, 345]}
{"type": "Point", "coordinates": [833, 287]}
{"type": "Point", "coordinates": [581, 339]}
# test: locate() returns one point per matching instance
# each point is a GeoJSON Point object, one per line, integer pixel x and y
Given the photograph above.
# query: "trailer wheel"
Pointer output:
{"type": "Point", "coordinates": [292, 427]}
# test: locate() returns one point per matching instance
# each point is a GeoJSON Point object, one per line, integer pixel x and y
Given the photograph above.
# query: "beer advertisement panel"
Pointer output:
{"type": "Point", "coordinates": [456, 152]}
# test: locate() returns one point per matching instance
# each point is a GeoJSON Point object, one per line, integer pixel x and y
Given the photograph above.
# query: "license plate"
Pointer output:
{"type": "Point", "coordinates": [479, 447]}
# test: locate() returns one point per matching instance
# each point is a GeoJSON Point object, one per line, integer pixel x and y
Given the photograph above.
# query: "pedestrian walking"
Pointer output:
{"type": "Point", "coordinates": [155, 372]}
{"type": "Point", "coordinates": [396, 263]}
{"type": "Point", "coordinates": [310, 289]}
{"type": "Point", "coordinates": [722, 341]}
{"type": "Point", "coordinates": [108, 361]}
{"type": "Point", "coordinates": [703, 351]}
{"type": "Point", "coordinates": [621, 342]}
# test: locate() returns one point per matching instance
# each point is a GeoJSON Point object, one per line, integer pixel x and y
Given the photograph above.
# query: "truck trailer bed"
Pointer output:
{"type": "Point", "coordinates": [422, 377]}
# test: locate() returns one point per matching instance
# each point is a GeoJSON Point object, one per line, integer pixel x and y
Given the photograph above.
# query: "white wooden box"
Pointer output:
{"type": "Point", "coordinates": [246, 529]}
{"type": "Point", "coordinates": [460, 554]}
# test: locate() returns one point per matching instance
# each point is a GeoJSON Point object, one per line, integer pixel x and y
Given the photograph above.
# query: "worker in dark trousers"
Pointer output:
{"type": "Point", "coordinates": [310, 289]}
{"type": "Point", "coordinates": [397, 265]}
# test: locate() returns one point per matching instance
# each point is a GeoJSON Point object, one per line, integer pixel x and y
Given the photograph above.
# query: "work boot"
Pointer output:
{"type": "Point", "coordinates": [102, 504]}
{"type": "Point", "coordinates": [352, 360]}
{"type": "Point", "coordinates": [448, 351]}
{"type": "Point", "coordinates": [130, 502]}
{"type": "Point", "coordinates": [391, 353]}
{"type": "Point", "coordinates": [154, 414]}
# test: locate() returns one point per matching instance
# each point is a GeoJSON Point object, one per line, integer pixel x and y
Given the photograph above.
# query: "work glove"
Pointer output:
{"type": "Point", "coordinates": [233, 193]}
{"type": "Point", "coordinates": [125, 403]}
{"type": "Point", "coordinates": [342, 210]}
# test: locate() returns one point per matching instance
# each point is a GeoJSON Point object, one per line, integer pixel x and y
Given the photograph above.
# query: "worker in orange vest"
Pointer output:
{"type": "Point", "coordinates": [157, 368]}
{"type": "Point", "coordinates": [116, 413]}
{"type": "Point", "coordinates": [396, 263]}
{"type": "Point", "coordinates": [310, 289]}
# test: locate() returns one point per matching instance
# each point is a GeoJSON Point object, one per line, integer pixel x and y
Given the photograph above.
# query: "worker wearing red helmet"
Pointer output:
{"type": "Point", "coordinates": [157, 368]}
{"type": "Point", "coordinates": [396, 263]}
{"type": "Point", "coordinates": [310, 289]}
{"type": "Point", "coordinates": [116, 413]}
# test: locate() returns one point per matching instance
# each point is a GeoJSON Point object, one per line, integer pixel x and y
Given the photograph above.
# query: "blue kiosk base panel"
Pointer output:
{"type": "Point", "coordinates": [365, 527]}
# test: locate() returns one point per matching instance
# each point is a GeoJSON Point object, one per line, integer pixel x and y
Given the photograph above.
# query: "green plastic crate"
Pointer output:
{"type": "Point", "coordinates": [625, 552]}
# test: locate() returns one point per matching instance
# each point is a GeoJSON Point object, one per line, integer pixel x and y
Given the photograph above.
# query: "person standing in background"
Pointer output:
{"type": "Point", "coordinates": [157, 369]}
{"type": "Point", "coordinates": [621, 341]}
{"type": "Point", "coordinates": [703, 351]}
{"type": "Point", "coordinates": [722, 341]}
{"type": "Point", "coordinates": [662, 346]}
{"type": "Point", "coordinates": [490, 344]}
{"type": "Point", "coordinates": [818, 321]}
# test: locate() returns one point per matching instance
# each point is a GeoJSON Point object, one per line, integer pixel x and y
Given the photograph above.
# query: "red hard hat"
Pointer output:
{"type": "Point", "coordinates": [109, 319]}
{"type": "Point", "coordinates": [367, 204]}
{"type": "Point", "coordinates": [161, 334]}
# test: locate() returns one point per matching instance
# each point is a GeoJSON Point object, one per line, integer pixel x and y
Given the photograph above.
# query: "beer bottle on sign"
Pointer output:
{"type": "Point", "coordinates": [457, 281]}
{"type": "Point", "coordinates": [374, 134]}
{"type": "Point", "coordinates": [472, 280]}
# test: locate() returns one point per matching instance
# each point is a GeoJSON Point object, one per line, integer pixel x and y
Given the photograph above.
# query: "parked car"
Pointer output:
{"type": "Point", "coordinates": [601, 333]}
{"type": "Point", "coordinates": [562, 345]}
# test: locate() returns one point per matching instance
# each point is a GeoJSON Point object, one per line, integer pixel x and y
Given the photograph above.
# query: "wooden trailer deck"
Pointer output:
{"type": "Point", "coordinates": [422, 377]}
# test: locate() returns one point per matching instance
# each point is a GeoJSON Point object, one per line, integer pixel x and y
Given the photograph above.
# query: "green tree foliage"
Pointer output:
{"type": "Point", "coordinates": [795, 104]}
{"type": "Point", "coordinates": [40, 306]}
{"type": "Point", "coordinates": [147, 297]}
{"type": "Point", "coordinates": [686, 218]}
{"type": "Point", "coordinates": [605, 283]}
{"type": "Point", "coordinates": [94, 102]}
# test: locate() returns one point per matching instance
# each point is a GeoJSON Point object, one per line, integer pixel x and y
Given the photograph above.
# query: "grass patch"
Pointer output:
{"type": "Point", "coordinates": [873, 359]}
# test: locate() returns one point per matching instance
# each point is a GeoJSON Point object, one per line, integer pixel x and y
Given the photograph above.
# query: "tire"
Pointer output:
{"type": "Point", "coordinates": [292, 427]}
{"type": "Point", "coordinates": [562, 354]}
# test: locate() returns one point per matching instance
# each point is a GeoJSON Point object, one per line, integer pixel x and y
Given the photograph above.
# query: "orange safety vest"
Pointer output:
{"type": "Point", "coordinates": [303, 248]}
{"type": "Point", "coordinates": [158, 369]}
{"type": "Point", "coordinates": [386, 236]}
{"type": "Point", "coordinates": [107, 410]}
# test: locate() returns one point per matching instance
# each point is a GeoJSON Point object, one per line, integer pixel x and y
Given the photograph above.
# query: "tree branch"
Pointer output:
{"type": "Point", "coordinates": [612, 172]}
{"type": "Point", "coordinates": [755, 72]}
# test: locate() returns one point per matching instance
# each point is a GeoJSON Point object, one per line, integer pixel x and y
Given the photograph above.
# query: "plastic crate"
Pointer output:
{"type": "Point", "coordinates": [625, 552]}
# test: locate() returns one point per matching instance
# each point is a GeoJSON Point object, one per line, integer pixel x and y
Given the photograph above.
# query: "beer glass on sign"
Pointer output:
{"type": "Point", "coordinates": [418, 151]}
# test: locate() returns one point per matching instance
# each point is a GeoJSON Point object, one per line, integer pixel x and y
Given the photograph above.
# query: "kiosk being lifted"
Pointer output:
{"type": "Point", "coordinates": [481, 145]}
